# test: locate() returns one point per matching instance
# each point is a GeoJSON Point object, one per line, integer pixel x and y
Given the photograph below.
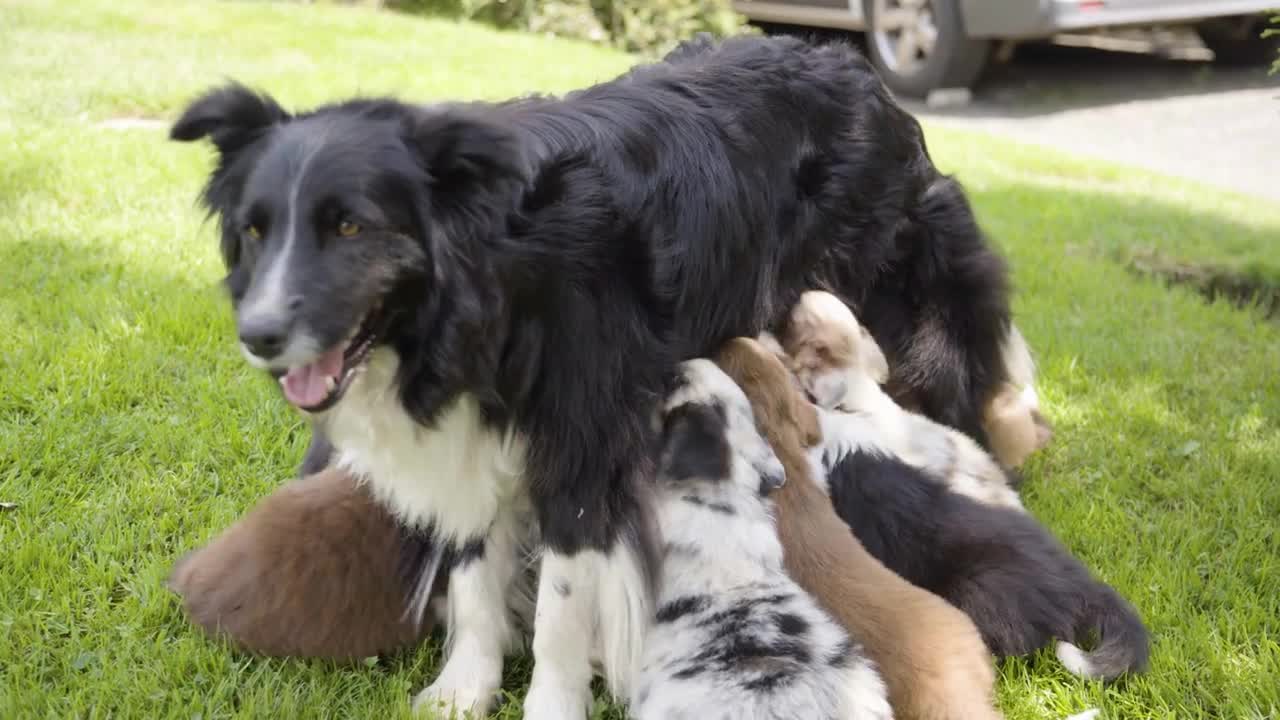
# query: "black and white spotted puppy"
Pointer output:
{"type": "Point", "coordinates": [734, 636]}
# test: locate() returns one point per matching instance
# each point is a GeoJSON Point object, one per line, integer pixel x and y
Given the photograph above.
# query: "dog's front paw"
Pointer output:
{"type": "Point", "coordinates": [556, 701]}
{"type": "Point", "coordinates": [451, 697]}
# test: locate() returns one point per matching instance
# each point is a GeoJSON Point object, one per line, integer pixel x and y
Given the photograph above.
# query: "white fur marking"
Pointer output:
{"type": "Point", "coordinates": [1076, 661]}
{"type": "Point", "coordinates": [268, 295]}
{"type": "Point", "coordinates": [455, 475]}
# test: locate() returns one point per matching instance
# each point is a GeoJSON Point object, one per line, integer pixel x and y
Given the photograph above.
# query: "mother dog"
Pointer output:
{"type": "Point", "coordinates": [481, 305]}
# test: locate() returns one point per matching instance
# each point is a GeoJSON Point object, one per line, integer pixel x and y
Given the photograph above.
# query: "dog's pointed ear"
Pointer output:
{"type": "Point", "coordinates": [466, 154]}
{"type": "Point", "coordinates": [231, 117]}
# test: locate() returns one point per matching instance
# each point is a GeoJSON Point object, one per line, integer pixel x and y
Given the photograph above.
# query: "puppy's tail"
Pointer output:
{"type": "Point", "coordinates": [1123, 643]}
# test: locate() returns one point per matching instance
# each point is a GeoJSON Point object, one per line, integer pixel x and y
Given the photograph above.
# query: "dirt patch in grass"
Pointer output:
{"type": "Point", "coordinates": [1241, 289]}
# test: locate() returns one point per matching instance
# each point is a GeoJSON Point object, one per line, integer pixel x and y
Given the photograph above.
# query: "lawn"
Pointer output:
{"type": "Point", "coordinates": [131, 430]}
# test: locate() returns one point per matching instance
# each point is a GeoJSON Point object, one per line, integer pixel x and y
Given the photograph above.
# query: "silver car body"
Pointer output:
{"type": "Point", "coordinates": [1013, 19]}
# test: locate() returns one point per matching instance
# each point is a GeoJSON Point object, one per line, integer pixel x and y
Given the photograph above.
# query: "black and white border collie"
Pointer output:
{"type": "Point", "coordinates": [482, 305]}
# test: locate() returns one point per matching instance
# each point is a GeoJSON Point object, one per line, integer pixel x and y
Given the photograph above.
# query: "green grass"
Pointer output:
{"type": "Point", "coordinates": [131, 431]}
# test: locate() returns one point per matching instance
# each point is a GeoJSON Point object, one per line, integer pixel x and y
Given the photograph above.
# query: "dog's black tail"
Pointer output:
{"type": "Point", "coordinates": [947, 348]}
{"type": "Point", "coordinates": [1123, 643]}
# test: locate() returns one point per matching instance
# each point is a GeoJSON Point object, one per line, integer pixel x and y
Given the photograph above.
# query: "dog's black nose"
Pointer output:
{"type": "Point", "coordinates": [264, 337]}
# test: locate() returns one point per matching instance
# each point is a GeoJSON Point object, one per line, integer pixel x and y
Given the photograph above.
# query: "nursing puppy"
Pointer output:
{"type": "Point", "coordinates": [822, 340]}
{"type": "Point", "coordinates": [311, 571]}
{"type": "Point", "coordinates": [482, 305]}
{"type": "Point", "coordinates": [900, 482]}
{"type": "Point", "coordinates": [735, 637]}
{"type": "Point", "coordinates": [929, 653]}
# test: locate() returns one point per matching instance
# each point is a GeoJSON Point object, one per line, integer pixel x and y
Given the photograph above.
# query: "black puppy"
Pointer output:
{"type": "Point", "coordinates": [1017, 582]}
{"type": "Point", "coordinates": [934, 508]}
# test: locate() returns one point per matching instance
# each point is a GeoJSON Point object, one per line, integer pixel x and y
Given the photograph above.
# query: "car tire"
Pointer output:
{"type": "Point", "coordinates": [951, 59]}
{"type": "Point", "coordinates": [1239, 41]}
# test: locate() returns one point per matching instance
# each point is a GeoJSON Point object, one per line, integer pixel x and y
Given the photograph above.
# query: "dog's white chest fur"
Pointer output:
{"type": "Point", "coordinates": [454, 475]}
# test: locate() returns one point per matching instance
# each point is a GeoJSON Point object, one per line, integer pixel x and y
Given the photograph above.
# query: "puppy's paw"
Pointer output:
{"type": "Point", "coordinates": [455, 696]}
{"type": "Point", "coordinates": [549, 700]}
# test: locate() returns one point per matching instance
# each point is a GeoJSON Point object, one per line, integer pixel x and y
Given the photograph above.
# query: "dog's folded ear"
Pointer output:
{"type": "Point", "coordinates": [231, 117]}
{"type": "Point", "coordinates": [470, 157]}
{"type": "Point", "coordinates": [694, 444]}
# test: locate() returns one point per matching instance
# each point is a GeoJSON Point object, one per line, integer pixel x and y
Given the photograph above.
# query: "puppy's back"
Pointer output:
{"type": "Point", "coordinates": [930, 654]}
{"type": "Point", "coordinates": [312, 571]}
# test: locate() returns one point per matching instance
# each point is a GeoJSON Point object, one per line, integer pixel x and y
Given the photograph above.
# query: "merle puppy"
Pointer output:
{"type": "Point", "coordinates": [735, 636]}
{"type": "Point", "coordinates": [482, 305]}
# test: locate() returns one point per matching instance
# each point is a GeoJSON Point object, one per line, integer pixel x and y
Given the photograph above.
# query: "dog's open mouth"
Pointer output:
{"type": "Point", "coordinates": [319, 385]}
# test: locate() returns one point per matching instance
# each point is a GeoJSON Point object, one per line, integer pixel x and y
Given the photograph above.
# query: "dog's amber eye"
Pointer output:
{"type": "Point", "coordinates": [347, 229]}
{"type": "Point", "coordinates": [252, 232]}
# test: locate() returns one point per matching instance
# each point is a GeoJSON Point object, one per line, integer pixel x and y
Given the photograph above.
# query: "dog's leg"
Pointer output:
{"type": "Point", "coordinates": [480, 628]}
{"type": "Point", "coordinates": [564, 634]}
{"type": "Point", "coordinates": [594, 603]}
{"type": "Point", "coordinates": [590, 604]}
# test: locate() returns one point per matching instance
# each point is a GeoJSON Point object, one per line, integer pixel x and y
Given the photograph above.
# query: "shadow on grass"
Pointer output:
{"type": "Point", "coordinates": [1244, 290]}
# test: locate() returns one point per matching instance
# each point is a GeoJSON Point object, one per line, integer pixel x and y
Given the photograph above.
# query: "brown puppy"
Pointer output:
{"type": "Point", "coordinates": [312, 571]}
{"type": "Point", "coordinates": [930, 654]}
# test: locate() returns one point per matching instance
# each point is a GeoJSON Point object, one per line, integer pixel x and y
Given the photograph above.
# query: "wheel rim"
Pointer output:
{"type": "Point", "coordinates": [905, 33]}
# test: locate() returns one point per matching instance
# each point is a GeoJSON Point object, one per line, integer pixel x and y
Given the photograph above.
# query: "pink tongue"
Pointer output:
{"type": "Point", "coordinates": [305, 386]}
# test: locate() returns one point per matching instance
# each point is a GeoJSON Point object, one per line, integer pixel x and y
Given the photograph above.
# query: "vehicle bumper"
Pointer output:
{"type": "Point", "coordinates": [984, 18]}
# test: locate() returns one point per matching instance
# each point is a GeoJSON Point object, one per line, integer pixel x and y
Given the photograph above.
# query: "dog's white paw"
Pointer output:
{"type": "Point", "coordinates": [455, 696]}
{"type": "Point", "coordinates": [556, 701]}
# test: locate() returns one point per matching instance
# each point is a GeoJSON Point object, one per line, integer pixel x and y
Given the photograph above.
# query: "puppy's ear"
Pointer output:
{"type": "Point", "coordinates": [231, 117]}
{"type": "Point", "coordinates": [694, 444]}
{"type": "Point", "coordinates": [470, 157]}
{"type": "Point", "coordinates": [872, 357]}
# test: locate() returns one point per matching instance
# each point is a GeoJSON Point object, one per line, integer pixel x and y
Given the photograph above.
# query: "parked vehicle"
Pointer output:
{"type": "Point", "coordinates": [922, 45]}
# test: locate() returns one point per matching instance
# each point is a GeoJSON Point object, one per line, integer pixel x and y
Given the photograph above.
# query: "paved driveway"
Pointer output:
{"type": "Point", "coordinates": [1177, 116]}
